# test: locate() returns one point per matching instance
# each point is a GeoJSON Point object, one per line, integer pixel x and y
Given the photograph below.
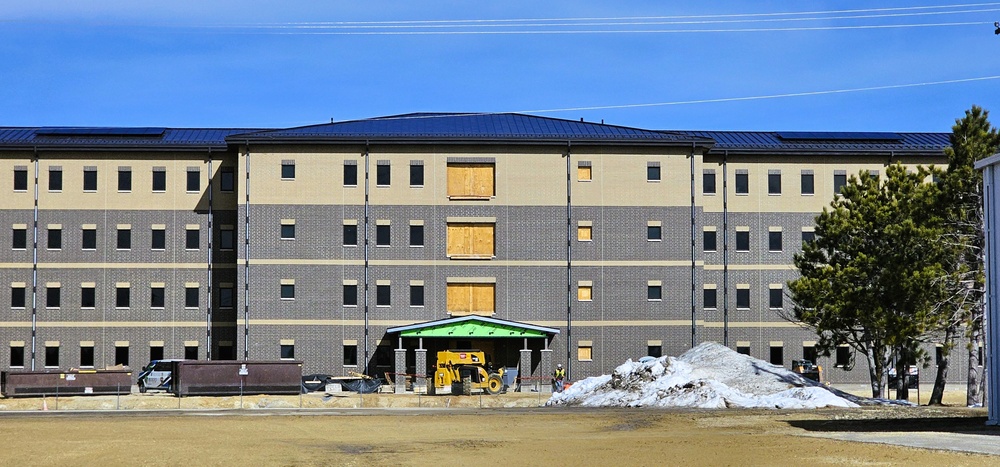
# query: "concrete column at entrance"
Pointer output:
{"type": "Point", "coordinates": [525, 372]}
{"type": "Point", "coordinates": [400, 376]}
{"type": "Point", "coordinates": [545, 368]}
{"type": "Point", "coordinates": [420, 383]}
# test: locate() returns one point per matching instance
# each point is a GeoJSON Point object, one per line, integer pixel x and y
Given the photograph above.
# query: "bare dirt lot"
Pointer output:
{"type": "Point", "coordinates": [466, 435]}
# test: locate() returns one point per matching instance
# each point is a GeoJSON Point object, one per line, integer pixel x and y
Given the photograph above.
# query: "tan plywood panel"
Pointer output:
{"type": "Point", "coordinates": [458, 180]}
{"type": "Point", "coordinates": [482, 180]}
{"type": "Point", "coordinates": [483, 299]}
{"type": "Point", "coordinates": [482, 237]}
{"type": "Point", "coordinates": [459, 239]}
{"type": "Point", "coordinates": [584, 233]}
{"type": "Point", "coordinates": [459, 299]}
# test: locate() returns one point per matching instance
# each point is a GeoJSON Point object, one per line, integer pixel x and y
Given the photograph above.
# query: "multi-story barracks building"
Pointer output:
{"type": "Point", "coordinates": [370, 245]}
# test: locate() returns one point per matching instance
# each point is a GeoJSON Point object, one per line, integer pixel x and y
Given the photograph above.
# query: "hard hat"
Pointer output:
{"type": "Point", "coordinates": [559, 365]}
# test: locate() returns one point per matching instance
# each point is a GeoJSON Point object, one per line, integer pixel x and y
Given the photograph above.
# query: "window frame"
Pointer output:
{"type": "Point", "coordinates": [383, 175]}
{"type": "Point", "coordinates": [123, 239]}
{"type": "Point", "coordinates": [227, 179]}
{"type": "Point", "coordinates": [191, 295]}
{"type": "Point", "coordinates": [416, 175]}
{"type": "Point", "coordinates": [383, 235]}
{"type": "Point", "coordinates": [743, 301]}
{"type": "Point", "coordinates": [807, 188]}
{"type": "Point", "coordinates": [654, 292]}
{"type": "Point", "coordinates": [159, 182]}
{"type": "Point", "coordinates": [416, 235]}
{"type": "Point", "coordinates": [123, 297]}
{"type": "Point", "coordinates": [55, 179]}
{"type": "Point", "coordinates": [383, 295]}
{"type": "Point", "coordinates": [742, 241]}
{"type": "Point", "coordinates": [124, 180]}
{"type": "Point", "coordinates": [350, 231]}
{"type": "Point", "coordinates": [705, 236]}
{"type": "Point", "coordinates": [775, 238]}
{"type": "Point", "coordinates": [192, 237]}
{"type": "Point", "coordinates": [350, 173]}
{"type": "Point", "coordinates": [774, 184]}
{"type": "Point", "coordinates": [89, 180]}
{"type": "Point", "coordinates": [192, 183]}
{"type": "Point", "coordinates": [159, 293]}
{"type": "Point", "coordinates": [53, 239]}
{"type": "Point", "coordinates": [88, 239]}
{"type": "Point", "coordinates": [20, 180]}
{"type": "Point", "coordinates": [349, 291]}
{"type": "Point", "coordinates": [741, 185]}
{"type": "Point", "coordinates": [417, 296]}
{"type": "Point", "coordinates": [53, 297]}
{"type": "Point", "coordinates": [19, 234]}
{"type": "Point", "coordinates": [288, 170]}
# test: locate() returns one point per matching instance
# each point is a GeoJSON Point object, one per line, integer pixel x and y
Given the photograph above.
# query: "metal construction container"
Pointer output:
{"type": "Point", "coordinates": [70, 383]}
{"type": "Point", "coordinates": [229, 377]}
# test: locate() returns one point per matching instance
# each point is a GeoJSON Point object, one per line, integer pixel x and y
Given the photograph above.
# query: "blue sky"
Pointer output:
{"type": "Point", "coordinates": [290, 63]}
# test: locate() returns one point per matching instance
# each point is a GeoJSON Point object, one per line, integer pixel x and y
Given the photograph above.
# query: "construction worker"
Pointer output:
{"type": "Point", "coordinates": [558, 377]}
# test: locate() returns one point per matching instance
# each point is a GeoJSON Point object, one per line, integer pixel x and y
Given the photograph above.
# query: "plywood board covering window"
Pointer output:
{"type": "Point", "coordinates": [471, 299]}
{"type": "Point", "coordinates": [470, 181]}
{"type": "Point", "coordinates": [470, 240]}
{"type": "Point", "coordinates": [584, 173]}
{"type": "Point", "coordinates": [584, 293]}
{"type": "Point", "coordinates": [584, 233]}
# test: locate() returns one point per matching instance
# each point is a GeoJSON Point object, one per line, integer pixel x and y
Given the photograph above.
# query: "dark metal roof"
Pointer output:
{"type": "Point", "coordinates": [772, 142]}
{"type": "Point", "coordinates": [117, 138]}
{"type": "Point", "coordinates": [470, 127]}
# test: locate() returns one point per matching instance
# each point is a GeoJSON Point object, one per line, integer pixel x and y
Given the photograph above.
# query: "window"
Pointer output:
{"type": "Point", "coordinates": [383, 174]}
{"type": "Point", "coordinates": [287, 351]}
{"type": "Point", "coordinates": [55, 179]}
{"type": "Point", "coordinates": [809, 352]}
{"type": "Point", "coordinates": [471, 181]}
{"type": "Point", "coordinates": [288, 291]}
{"type": "Point", "coordinates": [743, 349]}
{"type": "Point", "coordinates": [652, 171]}
{"type": "Point", "coordinates": [774, 297]}
{"type": "Point", "coordinates": [20, 239]}
{"type": "Point", "coordinates": [743, 298]}
{"type": "Point", "coordinates": [416, 173]}
{"type": "Point", "coordinates": [89, 240]}
{"type": "Point", "coordinates": [416, 295]}
{"type": "Point", "coordinates": [51, 356]}
{"type": "Point", "coordinates": [774, 183]}
{"type": "Point", "coordinates": [191, 239]}
{"type": "Point", "coordinates": [350, 295]}
{"type": "Point", "coordinates": [777, 355]}
{"type": "Point", "coordinates": [416, 235]}
{"type": "Point", "coordinates": [226, 296]}
{"type": "Point", "coordinates": [90, 179]}
{"type": "Point", "coordinates": [16, 356]}
{"type": "Point", "coordinates": [471, 240]}
{"type": "Point", "coordinates": [288, 170]}
{"type": "Point", "coordinates": [122, 296]}
{"type": "Point", "coordinates": [54, 241]}
{"type": "Point", "coordinates": [124, 238]}
{"type": "Point", "coordinates": [121, 355]}
{"type": "Point", "coordinates": [155, 352]}
{"type": "Point", "coordinates": [584, 171]}
{"type": "Point", "coordinates": [350, 355]}
{"type": "Point", "coordinates": [87, 356]}
{"type": "Point", "coordinates": [383, 295]}
{"type": "Point", "coordinates": [382, 235]}
{"type": "Point", "coordinates": [708, 182]}
{"type": "Point", "coordinates": [124, 179]}
{"type": "Point", "coordinates": [585, 352]}
{"type": "Point", "coordinates": [585, 292]}
{"type": "Point", "coordinates": [471, 299]}
{"type": "Point", "coordinates": [710, 298]}
{"type": "Point", "coordinates": [808, 184]}
{"type": "Point", "coordinates": [774, 240]}
{"type": "Point", "coordinates": [227, 238]}
{"type": "Point", "coordinates": [159, 239]}
{"type": "Point", "coordinates": [350, 235]}
{"type": "Point", "coordinates": [159, 179]}
{"type": "Point", "coordinates": [157, 297]}
{"type": "Point", "coordinates": [839, 180]}
{"type": "Point", "coordinates": [350, 173]}
{"type": "Point", "coordinates": [808, 236]}
{"type": "Point", "coordinates": [654, 233]}
{"type": "Point", "coordinates": [843, 357]}
{"type": "Point", "coordinates": [20, 179]}
{"type": "Point", "coordinates": [17, 298]}
{"type": "Point", "coordinates": [287, 231]}
{"type": "Point", "coordinates": [584, 233]}
{"type": "Point", "coordinates": [655, 351]}
{"type": "Point", "coordinates": [190, 352]}
{"type": "Point", "coordinates": [193, 179]}
{"type": "Point", "coordinates": [190, 297]}
{"type": "Point", "coordinates": [709, 240]}
{"type": "Point", "coordinates": [743, 240]}
{"type": "Point", "coordinates": [53, 296]}
{"type": "Point", "coordinates": [227, 180]}
{"type": "Point", "coordinates": [742, 182]}
{"type": "Point", "coordinates": [654, 292]}
{"type": "Point", "coordinates": [88, 297]}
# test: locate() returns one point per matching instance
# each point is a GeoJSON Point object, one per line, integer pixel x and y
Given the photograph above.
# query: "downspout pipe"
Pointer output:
{"type": "Point", "coordinates": [208, 316]}
{"type": "Point", "coordinates": [246, 262]}
{"type": "Point", "coordinates": [569, 261]}
{"type": "Point", "coordinates": [725, 249]}
{"type": "Point", "coordinates": [34, 269]}
{"type": "Point", "coordinates": [694, 316]}
{"type": "Point", "coordinates": [366, 265]}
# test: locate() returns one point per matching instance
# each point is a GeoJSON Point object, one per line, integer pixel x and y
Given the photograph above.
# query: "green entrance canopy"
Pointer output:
{"type": "Point", "coordinates": [473, 326]}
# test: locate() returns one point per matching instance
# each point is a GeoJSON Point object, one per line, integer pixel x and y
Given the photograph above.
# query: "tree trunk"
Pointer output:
{"type": "Point", "coordinates": [902, 389]}
{"type": "Point", "coordinates": [878, 389]}
{"type": "Point", "coordinates": [937, 394]}
{"type": "Point", "coordinates": [974, 391]}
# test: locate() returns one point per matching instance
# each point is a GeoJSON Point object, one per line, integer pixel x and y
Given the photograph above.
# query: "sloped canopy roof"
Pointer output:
{"type": "Point", "coordinates": [473, 326]}
{"type": "Point", "coordinates": [471, 127]}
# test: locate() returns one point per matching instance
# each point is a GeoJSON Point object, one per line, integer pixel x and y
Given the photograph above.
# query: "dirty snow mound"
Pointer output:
{"type": "Point", "coordinates": [707, 376]}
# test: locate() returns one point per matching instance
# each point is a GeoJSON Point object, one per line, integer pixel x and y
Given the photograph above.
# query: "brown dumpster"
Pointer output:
{"type": "Point", "coordinates": [228, 377]}
{"type": "Point", "coordinates": [70, 383]}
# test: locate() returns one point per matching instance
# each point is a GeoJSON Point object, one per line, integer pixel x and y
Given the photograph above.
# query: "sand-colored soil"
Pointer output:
{"type": "Point", "coordinates": [469, 436]}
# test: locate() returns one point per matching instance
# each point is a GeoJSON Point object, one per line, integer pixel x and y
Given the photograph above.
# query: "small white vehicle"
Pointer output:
{"type": "Point", "coordinates": [157, 375]}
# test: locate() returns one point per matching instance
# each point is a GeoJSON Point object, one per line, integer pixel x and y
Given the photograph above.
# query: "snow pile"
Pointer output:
{"type": "Point", "coordinates": [707, 376]}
